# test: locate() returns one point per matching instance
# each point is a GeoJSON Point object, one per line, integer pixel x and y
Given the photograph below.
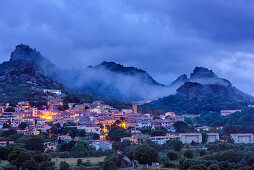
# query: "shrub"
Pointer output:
{"type": "Point", "coordinates": [202, 152]}
{"type": "Point", "coordinates": [188, 154]}
{"type": "Point", "coordinates": [213, 167]}
{"type": "Point", "coordinates": [64, 165]}
{"type": "Point", "coordinates": [172, 155]}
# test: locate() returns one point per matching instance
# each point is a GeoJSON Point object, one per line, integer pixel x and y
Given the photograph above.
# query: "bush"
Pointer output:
{"type": "Point", "coordinates": [213, 167]}
{"type": "Point", "coordinates": [202, 152]}
{"type": "Point", "coordinates": [188, 154]}
{"type": "Point", "coordinates": [198, 167]}
{"type": "Point", "coordinates": [172, 155]}
{"type": "Point", "coordinates": [64, 165]}
{"type": "Point", "coordinates": [10, 167]}
{"type": "Point", "coordinates": [64, 155]}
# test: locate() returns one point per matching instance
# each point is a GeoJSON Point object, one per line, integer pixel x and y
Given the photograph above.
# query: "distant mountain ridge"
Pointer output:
{"type": "Point", "coordinates": [204, 83]}
{"type": "Point", "coordinates": [108, 80]}
{"type": "Point", "coordinates": [129, 71]}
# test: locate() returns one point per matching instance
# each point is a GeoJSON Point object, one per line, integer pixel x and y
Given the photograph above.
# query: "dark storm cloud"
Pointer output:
{"type": "Point", "coordinates": [164, 37]}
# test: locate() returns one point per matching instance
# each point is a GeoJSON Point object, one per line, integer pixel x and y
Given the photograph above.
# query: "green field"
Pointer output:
{"type": "Point", "coordinates": [73, 161]}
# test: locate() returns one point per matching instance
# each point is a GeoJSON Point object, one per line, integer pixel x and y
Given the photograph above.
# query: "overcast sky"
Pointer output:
{"type": "Point", "coordinates": [164, 37]}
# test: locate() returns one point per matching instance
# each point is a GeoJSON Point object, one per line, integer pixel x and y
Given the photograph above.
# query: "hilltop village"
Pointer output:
{"type": "Point", "coordinates": [104, 129]}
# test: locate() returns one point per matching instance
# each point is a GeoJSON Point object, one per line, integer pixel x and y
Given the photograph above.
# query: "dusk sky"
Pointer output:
{"type": "Point", "coordinates": [164, 37]}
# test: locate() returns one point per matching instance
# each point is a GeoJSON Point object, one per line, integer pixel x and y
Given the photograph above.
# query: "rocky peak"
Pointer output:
{"type": "Point", "coordinates": [112, 66]}
{"type": "Point", "coordinates": [205, 76]}
{"type": "Point", "coordinates": [181, 80]}
{"type": "Point", "coordinates": [201, 72]}
{"type": "Point", "coordinates": [24, 53]}
{"type": "Point", "coordinates": [127, 71]}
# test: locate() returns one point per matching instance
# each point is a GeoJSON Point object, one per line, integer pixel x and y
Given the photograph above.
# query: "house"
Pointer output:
{"type": "Point", "coordinates": [243, 138]}
{"type": "Point", "coordinates": [33, 132]}
{"type": "Point", "coordinates": [177, 118]}
{"type": "Point", "coordinates": [64, 138]}
{"type": "Point", "coordinates": [132, 139]}
{"type": "Point", "coordinates": [101, 144]}
{"type": "Point", "coordinates": [203, 128]}
{"type": "Point", "coordinates": [171, 114]}
{"type": "Point", "coordinates": [160, 140]}
{"type": "Point", "coordinates": [4, 143]}
{"type": "Point", "coordinates": [189, 137]}
{"type": "Point", "coordinates": [90, 128]}
{"type": "Point", "coordinates": [228, 112]}
{"type": "Point", "coordinates": [212, 137]}
{"type": "Point", "coordinates": [49, 146]}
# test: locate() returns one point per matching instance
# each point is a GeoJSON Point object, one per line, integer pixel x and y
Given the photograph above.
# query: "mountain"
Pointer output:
{"type": "Point", "coordinates": [205, 83]}
{"type": "Point", "coordinates": [180, 81]}
{"type": "Point", "coordinates": [114, 81]}
{"type": "Point", "coordinates": [27, 72]}
{"type": "Point", "coordinates": [127, 71]}
{"type": "Point", "coordinates": [22, 77]}
{"type": "Point", "coordinates": [203, 92]}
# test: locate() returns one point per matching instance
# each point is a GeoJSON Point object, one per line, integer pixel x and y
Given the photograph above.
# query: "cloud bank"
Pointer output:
{"type": "Point", "coordinates": [165, 38]}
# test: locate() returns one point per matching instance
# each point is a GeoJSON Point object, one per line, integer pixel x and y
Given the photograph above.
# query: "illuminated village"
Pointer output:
{"type": "Point", "coordinates": [97, 118]}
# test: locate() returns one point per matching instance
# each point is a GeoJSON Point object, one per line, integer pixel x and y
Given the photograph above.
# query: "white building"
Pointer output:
{"type": "Point", "coordinates": [163, 139]}
{"type": "Point", "coordinates": [4, 143]}
{"type": "Point", "coordinates": [101, 144]}
{"type": "Point", "coordinates": [228, 112]}
{"type": "Point", "coordinates": [189, 137]}
{"type": "Point", "coordinates": [212, 137]}
{"type": "Point", "coordinates": [243, 138]}
{"type": "Point", "coordinates": [90, 128]}
{"type": "Point", "coordinates": [64, 138]}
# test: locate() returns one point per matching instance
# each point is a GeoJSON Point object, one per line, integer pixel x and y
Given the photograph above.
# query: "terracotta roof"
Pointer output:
{"type": "Point", "coordinates": [190, 134]}
{"type": "Point", "coordinates": [243, 134]}
{"type": "Point", "coordinates": [212, 134]}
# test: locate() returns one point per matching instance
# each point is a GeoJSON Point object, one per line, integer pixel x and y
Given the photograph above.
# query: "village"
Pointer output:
{"type": "Point", "coordinates": [97, 117]}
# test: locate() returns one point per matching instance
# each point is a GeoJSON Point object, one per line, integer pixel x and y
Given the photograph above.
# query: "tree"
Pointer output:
{"type": "Point", "coordinates": [47, 165]}
{"type": "Point", "coordinates": [82, 133]}
{"type": "Point", "coordinates": [10, 167]}
{"type": "Point", "coordinates": [204, 137]}
{"type": "Point", "coordinates": [158, 133]}
{"type": "Point", "coordinates": [9, 132]}
{"type": "Point", "coordinates": [121, 145]}
{"type": "Point", "coordinates": [95, 136]}
{"type": "Point", "coordinates": [174, 144]}
{"type": "Point", "coordinates": [32, 142]}
{"type": "Point", "coordinates": [181, 127]}
{"type": "Point", "coordinates": [188, 154]}
{"type": "Point", "coordinates": [42, 157]}
{"type": "Point", "coordinates": [79, 162]}
{"type": "Point", "coordinates": [64, 165]}
{"type": "Point", "coordinates": [172, 155]}
{"type": "Point", "coordinates": [112, 162]}
{"type": "Point", "coordinates": [198, 167]}
{"type": "Point", "coordinates": [18, 157]}
{"type": "Point", "coordinates": [145, 154]}
{"type": "Point", "coordinates": [30, 164]}
{"type": "Point", "coordinates": [7, 124]}
{"type": "Point", "coordinates": [23, 125]}
{"type": "Point", "coordinates": [185, 163]}
{"type": "Point", "coordinates": [213, 167]}
{"type": "Point", "coordinates": [202, 152]}
{"type": "Point", "coordinates": [116, 133]}
{"type": "Point", "coordinates": [9, 109]}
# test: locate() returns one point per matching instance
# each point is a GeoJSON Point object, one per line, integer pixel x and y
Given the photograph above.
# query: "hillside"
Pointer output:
{"type": "Point", "coordinates": [204, 91]}
{"type": "Point", "coordinates": [22, 77]}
